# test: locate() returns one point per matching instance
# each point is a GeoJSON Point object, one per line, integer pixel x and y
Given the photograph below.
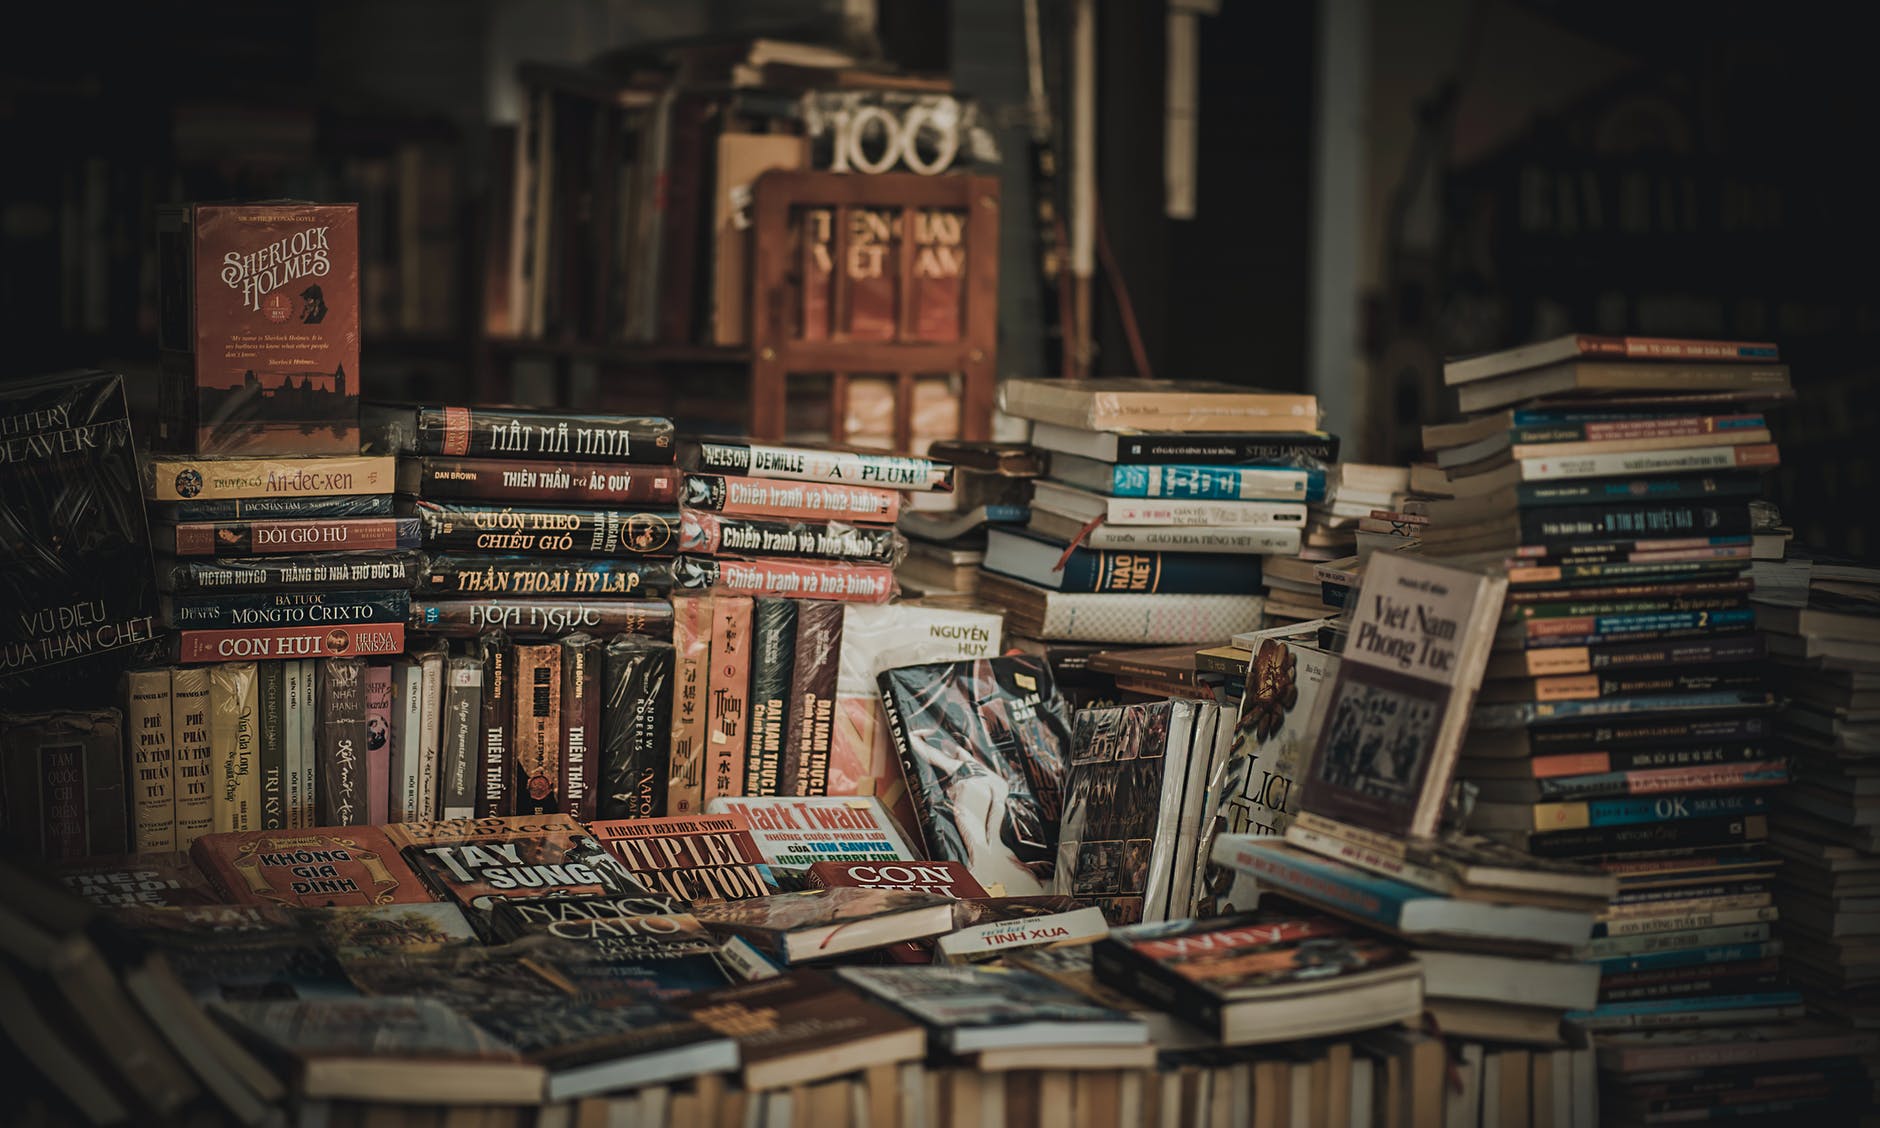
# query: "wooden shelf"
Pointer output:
{"type": "Point", "coordinates": [620, 352]}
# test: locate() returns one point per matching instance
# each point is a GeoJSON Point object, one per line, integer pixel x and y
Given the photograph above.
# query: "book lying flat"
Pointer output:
{"type": "Point", "coordinates": [1056, 565]}
{"type": "Point", "coordinates": [806, 1026]}
{"type": "Point", "coordinates": [1577, 346]}
{"type": "Point", "coordinates": [1157, 405]}
{"type": "Point", "coordinates": [820, 923]}
{"type": "Point", "coordinates": [1135, 619]}
{"type": "Point", "coordinates": [969, 1009]}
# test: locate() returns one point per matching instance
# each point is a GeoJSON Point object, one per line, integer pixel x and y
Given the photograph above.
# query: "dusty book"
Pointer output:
{"type": "Point", "coordinates": [580, 723]}
{"type": "Point", "coordinates": [351, 865]}
{"type": "Point", "coordinates": [710, 534]}
{"type": "Point", "coordinates": [822, 923]}
{"type": "Point", "coordinates": [1113, 404]}
{"type": "Point", "coordinates": [802, 1027]}
{"type": "Point", "coordinates": [258, 323]}
{"type": "Point", "coordinates": [796, 832]}
{"type": "Point", "coordinates": [968, 1009]}
{"type": "Point", "coordinates": [1400, 701]}
{"type": "Point", "coordinates": [75, 573]}
{"type": "Point", "coordinates": [64, 783]}
{"type": "Point", "coordinates": [727, 688]}
{"type": "Point", "coordinates": [480, 575]}
{"type": "Point", "coordinates": [636, 728]}
{"type": "Point", "coordinates": [557, 482]}
{"type": "Point", "coordinates": [773, 655]}
{"type": "Point", "coordinates": [797, 579]}
{"type": "Point", "coordinates": [983, 745]}
{"type": "Point", "coordinates": [691, 704]}
{"type": "Point", "coordinates": [478, 862]}
{"type": "Point", "coordinates": [698, 857]}
{"type": "Point", "coordinates": [504, 433]}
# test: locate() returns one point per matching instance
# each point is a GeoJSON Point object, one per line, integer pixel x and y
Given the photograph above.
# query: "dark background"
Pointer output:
{"type": "Point", "coordinates": [1524, 168]}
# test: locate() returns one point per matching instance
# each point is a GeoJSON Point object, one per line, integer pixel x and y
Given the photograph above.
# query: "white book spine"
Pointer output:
{"type": "Point", "coordinates": [1646, 462]}
{"type": "Point", "coordinates": [1268, 541]}
{"type": "Point", "coordinates": [430, 734]}
{"type": "Point", "coordinates": [1133, 511]}
{"type": "Point", "coordinates": [408, 714]}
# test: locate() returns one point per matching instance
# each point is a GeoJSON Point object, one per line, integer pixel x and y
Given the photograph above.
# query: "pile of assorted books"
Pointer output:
{"type": "Point", "coordinates": [946, 532]}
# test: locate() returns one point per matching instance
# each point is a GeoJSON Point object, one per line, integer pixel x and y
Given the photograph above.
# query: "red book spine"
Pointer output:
{"type": "Point", "coordinates": [849, 583]}
{"type": "Point", "coordinates": [872, 273]}
{"type": "Point", "coordinates": [691, 644]}
{"type": "Point", "coordinates": [318, 641]}
{"type": "Point", "coordinates": [728, 690]}
{"type": "Point", "coordinates": [314, 534]}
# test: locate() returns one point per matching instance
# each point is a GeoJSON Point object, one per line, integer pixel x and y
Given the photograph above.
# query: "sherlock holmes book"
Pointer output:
{"type": "Point", "coordinates": [74, 546]}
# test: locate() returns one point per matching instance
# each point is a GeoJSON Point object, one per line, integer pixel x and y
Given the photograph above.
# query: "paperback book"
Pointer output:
{"type": "Point", "coordinates": [794, 833]}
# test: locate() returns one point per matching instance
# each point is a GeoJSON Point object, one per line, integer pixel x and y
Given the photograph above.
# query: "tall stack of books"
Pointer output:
{"type": "Point", "coordinates": [1821, 618]}
{"type": "Point", "coordinates": [1160, 501]}
{"type": "Point", "coordinates": [946, 532]}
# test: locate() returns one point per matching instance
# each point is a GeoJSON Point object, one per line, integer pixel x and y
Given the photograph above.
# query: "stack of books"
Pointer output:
{"type": "Point", "coordinates": [1624, 716]}
{"type": "Point", "coordinates": [946, 532]}
{"type": "Point", "coordinates": [1821, 618]}
{"type": "Point", "coordinates": [1748, 1072]}
{"type": "Point", "coordinates": [1151, 522]}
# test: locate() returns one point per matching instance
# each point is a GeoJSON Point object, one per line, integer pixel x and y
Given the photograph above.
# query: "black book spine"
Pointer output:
{"type": "Point", "coordinates": [540, 618]}
{"type": "Point", "coordinates": [449, 575]}
{"type": "Point", "coordinates": [1669, 519]}
{"type": "Point", "coordinates": [812, 698]}
{"type": "Point", "coordinates": [309, 573]}
{"type": "Point", "coordinates": [921, 782]}
{"type": "Point", "coordinates": [528, 434]}
{"type": "Point", "coordinates": [1115, 965]}
{"type": "Point", "coordinates": [283, 609]}
{"type": "Point", "coordinates": [555, 532]}
{"type": "Point", "coordinates": [711, 534]}
{"type": "Point", "coordinates": [340, 741]}
{"type": "Point", "coordinates": [774, 624]}
{"type": "Point", "coordinates": [556, 482]}
{"type": "Point", "coordinates": [636, 728]}
{"type": "Point", "coordinates": [1536, 495]}
{"type": "Point", "coordinates": [271, 684]}
{"type": "Point", "coordinates": [1225, 450]}
{"type": "Point", "coordinates": [1651, 760]}
{"type": "Point", "coordinates": [1708, 652]}
{"type": "Point", "coordinates": [273, 508]}
{"type": "Point", "coordinates": [459, 755]}
{"type": "Point", "coordinates": [1678, 834]}
{"type": "Point", "coordinates": [495, 768]}
{"type": "Point", "coordinates": [581, 661]}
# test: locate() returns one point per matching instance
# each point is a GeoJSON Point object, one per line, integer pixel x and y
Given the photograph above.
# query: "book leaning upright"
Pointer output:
{"type": "Point", "coordinates": [1419, 639]}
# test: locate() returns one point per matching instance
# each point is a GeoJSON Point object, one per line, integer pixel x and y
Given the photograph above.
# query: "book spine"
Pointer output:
{"type": "Point", "coordinates": [244, 612]}
{"type": "Point", "coordinates": [190, 712]}
{"type": "Point", "coordinates": [1366, 858]}
{"type": "Point", "coordinates": [691, 643]}
{"type": "Point", "coordinates": [1541, 631]}
{"type": "Point", "coordinates": [1570, 522]}
{"type": "Point", "coordinates": [1708, 757]}
{"type": "Point", "coordinates": [1558, 660]}
{"type": "Point", "coordinates": [1113, 964]}
{"type": "Point", "coordinates": [850, 583]}
{"type": "Point", "coordinates": [1608, 948]}
{"type": "Point", "coordinates": [709, 534]}
{"type": "Point", "coordinates": [151, 739]}
{"type": "Point", "coordinates": [803, 464]}
{"type": "Point", "coordinates": [1593, 430]}
{"type": "Point", "coordinates": [1672, 348]}
{"type": "Point", "coordinates": [1629, 838]}
{"type": "Point", "coordinates": [774, 656]}
{"type": "Point", "coordinates": [309, 742]}
{"type": "Point", "coordinates": [1217, 483]}
{"type": "Point", "coordinates": [232, 736]}
{"type": "Point", "coordinates": [1643, 734]}
{"type": "Point", "coordinates": [812, 704]}
{"type": "Point", "coordinates": [555, 482]}
{"type": "Point", "coordinates": [1324, 885]}
{"type": "Point", "coordinates": [1723, 778]}
{"type": "Point", "coordinates": [537, 730]}
{"type": "Point", "coordinates": [454, 576]}
{"type": "Point", "coordinates": [1683, 922]}
{"type": "Point", "coordinates": [1548, 712]}
{"type": "Point", "coordinates": [461, 431]}
{"type": "Point", "coordinates": [271, 743]}
{"type": "Point", "coordinates": [1231, 514]}
{"type": "Point", "coordinates": [271, 538]}
{"type": "Point", "coordinates": [1269, 541]}
{"type": "Point", "coordinates": [408, 705]}
{"type": "Point", "coordinates": [289, 642]}
{"type": "Point", "coordinates": [581, 660]}
{"type": "Point", "coordinates": [636, 728]}
{"type": "Point", "coordinates": [379, 720]}
{"type": "Point", "coordinates": [311, 573]}
{"type": "Point", "coordinates": [430, 731]}
{"type": "Point", "coordinates": [294, 699]}
{"type": "Point", "coordinates": [1533, 495]}
{"type": "Point", "coordinates": [1685, 959]}
{"type": "Point", "coordinates": [540, 618]}
{"type": "Point", "coordinates": [219, 479]}
{"type": "Point", "coordinates": [1214, 450]}
{"type": "Point", "coordinates": [547, 532]}
{"type": "Point", "coordinates": [340, 740]}
{"type": "Point", "coordinates": [1581, 687]}
{"type": "Point", "coordinates": [1149, 619]}
{"type": "Point", "coordinates": [463, 728]}
{"type": "Point", "coordinates": [1689, 460]}
{"type": "Point", "coordinates": [811, 501]}
{"type": "Point", "coordinates": [1628, 811]}
{"type": "Point", "coordinates": [266, 508]}
{"type": "Point", "coordinates": [1098, 571]}
{"type": "Point", "coordinates": [495, 766]}
{"type": "Point", "coordinates": [728, 690]}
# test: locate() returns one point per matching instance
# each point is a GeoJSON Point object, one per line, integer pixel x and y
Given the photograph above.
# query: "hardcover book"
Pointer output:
{"type": "Point", "coordinates": [468, 526]}
{"type": "Point", "coordinates": [822, 923]}
{"type": "Point", "coordinates": [810, 501]}
{"type": "Point", "coordinates": [804, 1026]}
{"type": "Point", "coordinates": [983, 746]}
{"type": "Point", "coordinates": [1052, 564]}
{"type": "Point", "coordinates": [540, 618]}
{"type": "Point", "coordinates": [636, 728]}
{"type": "Point", "coordinates": [697, 857]}
{"type": "Point", "coordinates": [1401, 699]}
{"type": "Point", "coordinates": [796, 832]}
{"type": "Point", "coordinates": [74, 545]}
{"type": "Point", "coordinates": [63, 776]}
{"type": "Point", "coordinates": [259, 328]}
{"type": "Point", "coordinates": [858, 583]}
{"type": "Point", "coordinates": [492, 577]}
{"type": "Point", "coordinates": [815, 464]}
{"type": "Point", "coordinates": [969, 1009]}
{"type": "Point", "coordinates": [504, 433]}
{"type": "Point", "coordinates": [711, 534]}
{"type": "Point", "coordinates": [320, 866]}
{"type": "Point", "coordinates": [478, 862]}
{"type": "Point", "coordinates": [728, 688]}
{"type": "Point", "coordinates": [1122, 794]}
{"type": "Point", "coordinates": [516, 480]}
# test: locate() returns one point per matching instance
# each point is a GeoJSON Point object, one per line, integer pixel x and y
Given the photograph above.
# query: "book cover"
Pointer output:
{"type": "Point", "coordinates": [450, 575]}
{"type": "Point", "coordinates": [556, 482]}
{"type": "Point", "coordinates": [948, 879]}
{"type": "Point", "coordinates": [540, 618]}
{"type": "Point", "coordinates": [478, 862]}
{"type": "Point", "coordinates": [63, 776]}
{"type": "Point", "coordinates": [318, 866]}
{"type": "Point", "coordinates": [810, 710]}
{"type": "Point", "coordinates": [1117, 838]}
{"type": "Point", "coordinates": [697, 857]}
{"type": "Point", "coordinates": [1401, 699]}
{"type": "Point", "coordinates": [781, 923]}
{"type": "Point", "coordinates": [281, 536]}
{"type": "Point", "coordinates": [514, 919]}
{"type": "Point", "coordinates": [337, 572]}
{"type": "Point", "coordinates": [495, 766]}
{"type": "Point", "coordinates": [966, 1008]}
{"type": "Point", "coordinates": [787, 1025]}
{"type": "Point", "coordinates": [148, 880]}
{"type": "Point", "coordinates": [987, 928]}
{"type": "Point", "coordinates": [74, 542]}
{"type": "Point", "coordinates": [534, 435]}
{"type": "Point", "coordinates": [1062, 567]}
{"type": "Point", "coordinates": [1273, 736]}
{"type": "Point", "coordinates": [728, 685]}
{"type": "Point", "coordinates": [259, 329]}
{"type": "Point", "coordinates": [232, 727]}
{"type": "Point", "coordinates": [378, 742]}
{"type": "Point", "coordinates": [862, 760]}
{"type": "Point", "coordinates": [860, 583]}
{"type": "Point", "coordinates": [796, 832]}
{"type": "Point", "coordinates": [271, 743]}
{"type": "Point", "coordinates": [810, 501]}
{"type": "Point", "coordinates": [773, 656]}
{"type": "Point", "coordinates": [815, 464]}
{"type": "Point", "coordinates": [340, 738]}
{"type": "Point", "coordinates": [710, 534]}
{"type": "Point", "coordinates": [194, 757]}
{"type": "Point", "coordinates": [149, 740]}
{"type": "Point", "coordinates": [691, 705]}
{"type": "Point", "coordinates": [636, 728]}
{"type": "Point", "coordinates": [983, 745]}
{"type": "Point", "coordinates": [663, 956]}
{"type": "Point", "coordinates": [537, 729]}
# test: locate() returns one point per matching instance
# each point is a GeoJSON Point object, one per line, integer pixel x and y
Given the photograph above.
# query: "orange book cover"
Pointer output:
{"type": "Point", "coordinates": [691, 644]}
{"type": "Point", "coordinates": [314, 868]}
{"type": "Point", "coordinates": [728, 690]}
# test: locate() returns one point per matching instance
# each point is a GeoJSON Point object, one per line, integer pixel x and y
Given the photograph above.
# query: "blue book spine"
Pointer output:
{"type": "Point", "coordinates": [1364, 895]}
{"type": "Point", "coordinates": [1113, 571]}
{"type": "Point", "coordinates": [1219, 483]}
{"type": "Point", "coordinates": [1690, 957]}
{"type": "Point", "coordinates": [1007, 514]}
{"type": "Point", "coordinates": [1663, 808]}
{"type": "Point", "coordinates": [1532, 495]}
{"type": "Point", "coordinates": [1690, 1005]}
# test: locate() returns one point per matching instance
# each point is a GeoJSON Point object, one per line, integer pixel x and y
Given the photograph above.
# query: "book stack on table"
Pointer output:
{"type": "Point", "coordinates": [1160, 501]}
{"type": "Point", "coordinates": [946, 532]}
